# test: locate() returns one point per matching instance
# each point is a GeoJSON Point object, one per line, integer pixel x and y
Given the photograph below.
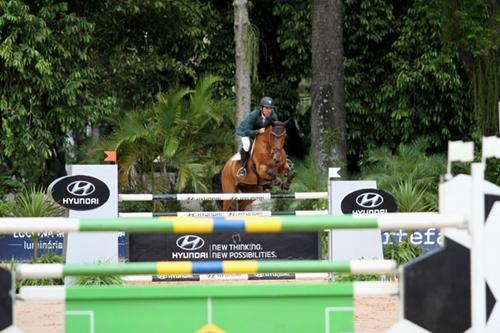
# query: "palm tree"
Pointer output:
{"type": "Point", "coordinates": [180, 136]}
{"type": "Point", "coordinates": [409, 174]}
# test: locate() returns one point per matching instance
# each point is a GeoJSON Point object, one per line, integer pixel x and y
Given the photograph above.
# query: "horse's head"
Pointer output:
{"type": "Point", "coordinates": [277, 141]}
{"type": "Point", "coordinates": [269, 155]}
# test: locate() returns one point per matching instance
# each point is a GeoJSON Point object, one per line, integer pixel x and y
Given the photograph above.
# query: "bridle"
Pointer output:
{"type": "Point", "coordinates": [272, 134]}
{"type": "Point", "coordinates": [275, 134]}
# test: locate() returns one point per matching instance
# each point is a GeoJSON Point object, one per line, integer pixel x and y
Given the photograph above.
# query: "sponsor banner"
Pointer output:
{"type": "Point", "coordinates": [272, 276]}
{"type": "Point", "coordinates": [168, 278]}
{"type": "Point", "coordinates": [374, 201]}
{"type": "Point", "coordinates": [19, 246]}
{"type": "Point", "coordinates": [368, 201]}
{"type": "Point", "coordinates": [428, 239]}
{"type": "Point", "coordinates": [79, 192]}
{"type": "Point", "coordinates": [223, 246]}
{"type": "Point", "coordinates": [346, 197]}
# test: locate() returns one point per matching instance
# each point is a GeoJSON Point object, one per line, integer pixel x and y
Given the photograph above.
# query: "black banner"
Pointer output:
{"type": "Point", "coordinates": [224, 246]}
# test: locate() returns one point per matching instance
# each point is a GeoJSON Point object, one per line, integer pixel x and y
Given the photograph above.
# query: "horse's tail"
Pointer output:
{"type": "Point", "coordinates": [217, 188]}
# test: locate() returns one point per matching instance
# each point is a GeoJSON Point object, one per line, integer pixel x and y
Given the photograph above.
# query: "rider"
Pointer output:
{"type": "Point", "coordinates": [252, 125]}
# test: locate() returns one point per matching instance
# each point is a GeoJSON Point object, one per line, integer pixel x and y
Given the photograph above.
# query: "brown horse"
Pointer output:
{"type": "Point", "coordinates": [268, 160]}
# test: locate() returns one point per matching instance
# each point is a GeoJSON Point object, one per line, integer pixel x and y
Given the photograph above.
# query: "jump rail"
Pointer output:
{"type": "Point", "coordinates": [228, 213]}
{"type": "Point", "coordinates": [226, 277]}
{"type": "Point", "coordinates": [221, 196]}
{"type": "Point", "coordinates": [28, 271]}
{"type": "Point", "coordinates": [59, 292]}
{"type": "Point", "coordinates": [248, 224]}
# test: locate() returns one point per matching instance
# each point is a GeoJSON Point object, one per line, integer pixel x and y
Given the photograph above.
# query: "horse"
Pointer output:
{"type": "Point", "coordinates": [268, 160]}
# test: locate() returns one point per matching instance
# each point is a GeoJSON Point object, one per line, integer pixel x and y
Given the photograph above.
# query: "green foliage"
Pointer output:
{"type": "Point", "coordinates": [413, 198]}
{"type": "Point", "coordinates": [35, 202]}
{"type": "Point", "coordinates": [402, 252]}
{"type": "Point", "coordinates": [401, 80]}
{"type": "Point", "coordinates": [174, 138]}
{"type": "Point", "coordinates": [410, 71]}
{"type": "Point", "coordinates": [7, 208]}
{"type": "Point", "coordinates": [470, 28]}
{"type": "Point", "coordinates": [45, 74]}
{"type": "Point", "coordinates": [492, 171]}
{"type": "Point", "coordinates": [410, 174]}
{"type": "Point", "coordinates": [8, 184]}
{"type": "Point", "coordinates": [99, 280]}
{"type": "Point", "coordinates": [145, 47]}
{"type": "Point", "coordinates": [347, 277]}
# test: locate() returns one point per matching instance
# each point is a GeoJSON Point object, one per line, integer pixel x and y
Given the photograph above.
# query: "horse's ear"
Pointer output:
{"type": "Point", "coordinates": [286, 122]}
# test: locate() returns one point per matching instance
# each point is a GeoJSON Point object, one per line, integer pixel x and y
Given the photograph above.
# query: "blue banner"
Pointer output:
{"type": "Point", "coordinates": [428, 239]}
{"type": "Point", "coordinates": [19, 246]}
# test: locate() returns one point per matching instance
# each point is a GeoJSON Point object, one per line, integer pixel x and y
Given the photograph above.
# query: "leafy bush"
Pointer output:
{"type": "Point", "coordinates": [402, 252]}
{"type": "Point", "coordinates": [344, 277]}
{"type": "Point", "coordinates": [34, 202]}
{"type": "Point", "coordinates": [6, 208]}
{"type": "Point", "coordinates": [98, 280]}
{"type": "Point", "coordinates": [410, 175]}
{"type": "Point", "coordinates": [173, 139]}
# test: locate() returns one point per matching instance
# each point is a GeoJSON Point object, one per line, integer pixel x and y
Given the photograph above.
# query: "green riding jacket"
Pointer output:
{"type": "Point", "coordinates": [252, 123]}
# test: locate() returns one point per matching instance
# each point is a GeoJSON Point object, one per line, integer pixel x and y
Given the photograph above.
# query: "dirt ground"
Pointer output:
{"type": "Point", "coordinates": [372, 314]}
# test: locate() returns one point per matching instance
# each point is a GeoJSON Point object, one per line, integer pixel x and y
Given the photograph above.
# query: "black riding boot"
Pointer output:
{"type": "Point", "coordinates": [242, 172]}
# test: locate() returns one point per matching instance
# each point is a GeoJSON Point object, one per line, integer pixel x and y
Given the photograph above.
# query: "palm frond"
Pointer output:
{"type": "Point", "coordinates": [170, 108]}
{"type": "Point", "coordinates": [202, 94]}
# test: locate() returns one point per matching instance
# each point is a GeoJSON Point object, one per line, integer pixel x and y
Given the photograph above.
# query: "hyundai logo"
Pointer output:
{"type": "Point", "coordinates": [190, 242]}
{"type": "Point", "coordinates": [81, 188]}
{"type": "Point", "coordinates": [369, 200]}
{"type": "Point", "coordinates": [79, 192]}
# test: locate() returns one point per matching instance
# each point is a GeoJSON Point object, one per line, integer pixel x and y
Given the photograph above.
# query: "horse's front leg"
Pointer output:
{"type": "Point", "coordinates": [226, 205]}
{"type": "Point", "coordinates": [288, 171]}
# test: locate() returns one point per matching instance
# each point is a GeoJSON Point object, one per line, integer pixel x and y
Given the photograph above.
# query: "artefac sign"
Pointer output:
{"type": "Point", "coordinates": [79, 192]}
{"type": "Point", "coordinates": [368, 201]}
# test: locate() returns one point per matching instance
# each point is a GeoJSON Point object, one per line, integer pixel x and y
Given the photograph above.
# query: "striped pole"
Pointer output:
{"type": "Point", "coordinates": [248, 224]}
{"type": "Point", "coordinates": [361, 288]}
{"type": "Point", "coordinates": [228, 213]}
{"type": "Point", "coordinates": [28, 271]}
{"type": "Point", "coordinates": [222, 196]}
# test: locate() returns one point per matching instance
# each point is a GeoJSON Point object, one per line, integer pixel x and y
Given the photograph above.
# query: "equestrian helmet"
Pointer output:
{"type": "Point", "coordinates": [267, 101]}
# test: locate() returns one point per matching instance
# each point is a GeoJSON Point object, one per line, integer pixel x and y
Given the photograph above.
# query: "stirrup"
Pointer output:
{"type": "Point", "coordinates": [242, 172]}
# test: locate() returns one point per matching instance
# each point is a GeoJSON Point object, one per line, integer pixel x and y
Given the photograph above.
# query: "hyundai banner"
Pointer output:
{"type": "Point", "coordinates": [224, 246]}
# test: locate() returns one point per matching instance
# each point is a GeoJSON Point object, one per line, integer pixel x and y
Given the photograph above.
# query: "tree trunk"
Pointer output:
{"type": "Point", "coordinates": [243, 88]}
{"type": "Point", "coordinates": [328, 128]}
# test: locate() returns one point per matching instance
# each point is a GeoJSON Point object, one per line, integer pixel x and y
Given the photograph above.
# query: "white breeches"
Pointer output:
{"type": "Point", "coordinates": [245, 143]}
